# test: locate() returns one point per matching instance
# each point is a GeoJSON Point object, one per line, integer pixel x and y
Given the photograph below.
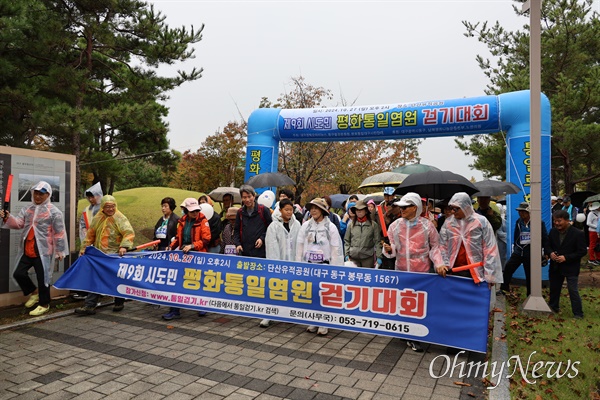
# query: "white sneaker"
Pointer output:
{"type": "Point", "coordinates": [264, 323]}
{"type": "Point", "coordinates": [311, 329]}
{"type": "Point", "coordinates": [322, 331]}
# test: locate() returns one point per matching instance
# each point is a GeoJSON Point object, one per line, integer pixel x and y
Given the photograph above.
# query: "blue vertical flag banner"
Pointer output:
{"type": "Point", "coordinates": [259, 161]}
{"type": "Point", "coordinates": [425, 307]}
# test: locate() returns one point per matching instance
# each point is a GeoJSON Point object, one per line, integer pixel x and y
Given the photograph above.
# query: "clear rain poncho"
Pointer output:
{"type": "Point", "coordinates": [281, 244]}
{"type": "Point", "coordinates": [415, 242]}
{"type": "Point", "coordinates": [108, 234]}
{"type": "Point", "coordinates": [318, 240]}
{"type": "Point", "coordinates": [477, 235]}
{"type": "Point", "coordinates": [48, 226]}
{"type": "Point", "coordinates": [90, 211]}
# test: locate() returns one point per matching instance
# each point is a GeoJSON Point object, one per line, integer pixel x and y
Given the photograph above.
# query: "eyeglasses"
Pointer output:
{"type": "Point", "coordinates": [405, 207]}
{"type": "Point", "coordinates": [454, 209]}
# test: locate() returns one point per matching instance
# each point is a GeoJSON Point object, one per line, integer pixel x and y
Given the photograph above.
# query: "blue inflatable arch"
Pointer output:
{"type": "Point", "coordinates": [508, 112]}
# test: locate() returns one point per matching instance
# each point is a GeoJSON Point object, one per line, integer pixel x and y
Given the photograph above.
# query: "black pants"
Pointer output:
{"type": "Point", "coordinates": [556, 282]}
{"type": "Point", "coordinates": [92, 300]}
{"type": "Point", "coordinates": [511, 266]}
{"type": "Point", "coordinates": [21, 275]}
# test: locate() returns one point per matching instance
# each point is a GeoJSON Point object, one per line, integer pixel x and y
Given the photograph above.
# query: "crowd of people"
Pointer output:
{"type": "Point", "coordinates": [408, 233]}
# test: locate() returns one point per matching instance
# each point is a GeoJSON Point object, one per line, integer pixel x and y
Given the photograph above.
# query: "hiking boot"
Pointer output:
{"type": "Point", "coordinates": [322, 331]}
{"type": "Point", "coordinates": [311, 329]}
{"type": "Point", "coordinates": [202, 313]}
{"type": "Point", "coordinates": [171, 315]}
{"type": "Point", "coordinates": [415, 346]}
{"type": "Point", "coordinates": [264, 323]}
{"type": "Point", "coordinates": [33, 300]}
{"type": "Point", "coordinates": [39, 311]}
{"type": "Point", "coordinates": [85, 310]}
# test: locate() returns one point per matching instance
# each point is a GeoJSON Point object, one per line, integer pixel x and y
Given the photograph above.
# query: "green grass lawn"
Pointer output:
{"type": "Point", "coordinates": [557, 338]}
{"type": "Point", "coordinates": [142, 207]}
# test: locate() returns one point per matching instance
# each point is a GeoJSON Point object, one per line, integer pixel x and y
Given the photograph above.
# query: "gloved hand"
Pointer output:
{"type": "Point", "coordinates": [379, 262]}
{"type": "Point", "coordinates": [346, 258]}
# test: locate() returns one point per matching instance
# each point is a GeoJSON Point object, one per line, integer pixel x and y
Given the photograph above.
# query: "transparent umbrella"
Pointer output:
{"type": "Point", "coordinates": [383, 179]}
{"type": "Point", "coordinates": [218, 193]}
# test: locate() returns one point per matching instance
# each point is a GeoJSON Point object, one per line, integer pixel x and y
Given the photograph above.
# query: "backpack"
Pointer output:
{"type": "Point", "coordinates": [261, 210]}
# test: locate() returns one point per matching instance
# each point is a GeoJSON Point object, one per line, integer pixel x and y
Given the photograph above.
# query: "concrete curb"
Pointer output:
{"type": "Point", "coordinates": [46, 317]}
{"type": "Point", "coordinates": [499, 351]}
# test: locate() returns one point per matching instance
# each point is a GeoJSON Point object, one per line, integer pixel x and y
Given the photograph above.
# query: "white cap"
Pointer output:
{"type": "Point", "coordinates": [594, 206]}
{"type": "Point", "coordinates": [191, 204]}
{"type": "Point", "coordinates": [553, 198]}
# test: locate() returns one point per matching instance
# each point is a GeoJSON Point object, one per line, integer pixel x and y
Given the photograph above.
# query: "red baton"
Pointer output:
{"type": "Point", "coordinates": [143, 246]}
{"type": "Point", "coordinates": [7, 195]}
{"type": "Point", "coordinates": [466, 267]}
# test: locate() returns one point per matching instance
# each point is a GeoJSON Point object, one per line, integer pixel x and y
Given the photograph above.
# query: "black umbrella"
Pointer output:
{"type": "Point", "coordinates": [495, 188]}
{"type": "Point", "coordinates": [269, 179]}
{"type": "Point", "coordinates": [578, 199]}
{"type": "Point", "coordinates": [436, 184]}
{"type": "Point", "coordinates": [337, 200]}
{"type": "Point", "coordinates": [377, 198]}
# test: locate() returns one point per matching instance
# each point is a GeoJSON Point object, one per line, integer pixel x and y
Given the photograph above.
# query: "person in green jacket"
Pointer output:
{"type": "Point", "coordinates": [362, 241]}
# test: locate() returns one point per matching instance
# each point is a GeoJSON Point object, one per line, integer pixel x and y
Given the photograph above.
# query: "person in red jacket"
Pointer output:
{"type": "Point", "coordinates": [193, 234]}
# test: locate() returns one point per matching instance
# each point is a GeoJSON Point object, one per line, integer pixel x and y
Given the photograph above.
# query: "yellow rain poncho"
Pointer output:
{"type": "Point", "coordinates": [108, 234]}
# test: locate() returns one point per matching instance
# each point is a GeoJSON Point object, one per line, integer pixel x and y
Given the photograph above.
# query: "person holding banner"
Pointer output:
{"type": "Point", "coordinates": [319, 243]}
{"type": "Point", "coordinates": [467, 238]}
{"type": "Point", "coordinates": [414, 242]}
{"type": "Point", "coordinates": [362, 240]}
{"type": "Point", "coordinates": [166, 226]}
{"type": "Point", "coordinates": [94, 196]}
{"type": "Point", "coordinates": [193, 234]}
{"type": "Point", "coordinates": [281, 237]}
{"type": "Point", "coordinates": [111, 233]}
{"type": "Point", "coordinates": [43, 239]}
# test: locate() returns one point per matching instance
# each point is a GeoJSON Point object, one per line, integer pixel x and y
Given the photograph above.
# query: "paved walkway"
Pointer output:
{"type": "Point", "coordinates": [136, 355]}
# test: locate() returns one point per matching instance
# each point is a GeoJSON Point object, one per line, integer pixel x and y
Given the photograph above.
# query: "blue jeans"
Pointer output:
{"type": "Point", "coordinates": [556, 282]}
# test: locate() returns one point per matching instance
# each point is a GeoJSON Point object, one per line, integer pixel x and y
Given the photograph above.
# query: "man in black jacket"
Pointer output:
{"type": "Point", "coordinates": [567, 247]}
{"type": "Point", "coordinates": [251, 223]}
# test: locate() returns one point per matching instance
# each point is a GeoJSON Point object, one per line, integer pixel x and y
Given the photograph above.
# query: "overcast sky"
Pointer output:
{"type": "Point", "coordinates": [369, 52]}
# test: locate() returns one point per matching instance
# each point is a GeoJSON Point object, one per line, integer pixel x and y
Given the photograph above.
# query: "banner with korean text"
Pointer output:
{"type": "Point", "coordinates": [424, 307]}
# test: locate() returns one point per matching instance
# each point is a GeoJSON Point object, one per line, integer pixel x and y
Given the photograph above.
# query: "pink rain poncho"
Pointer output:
{"type": "Point", "coordinates": [415, 242]}
{"type": "Point", "coordinates": [48, 226]}
{"type": "Point", "coordinates": [477, 235]}
{"type": "Point", "coordinates": [108, 234]}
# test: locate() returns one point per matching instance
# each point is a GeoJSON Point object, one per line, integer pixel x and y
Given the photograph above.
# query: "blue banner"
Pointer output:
{"type": "Point", "coordinates": [391, 121]}
{"type": "Point", "coordinates": [424, 307]}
